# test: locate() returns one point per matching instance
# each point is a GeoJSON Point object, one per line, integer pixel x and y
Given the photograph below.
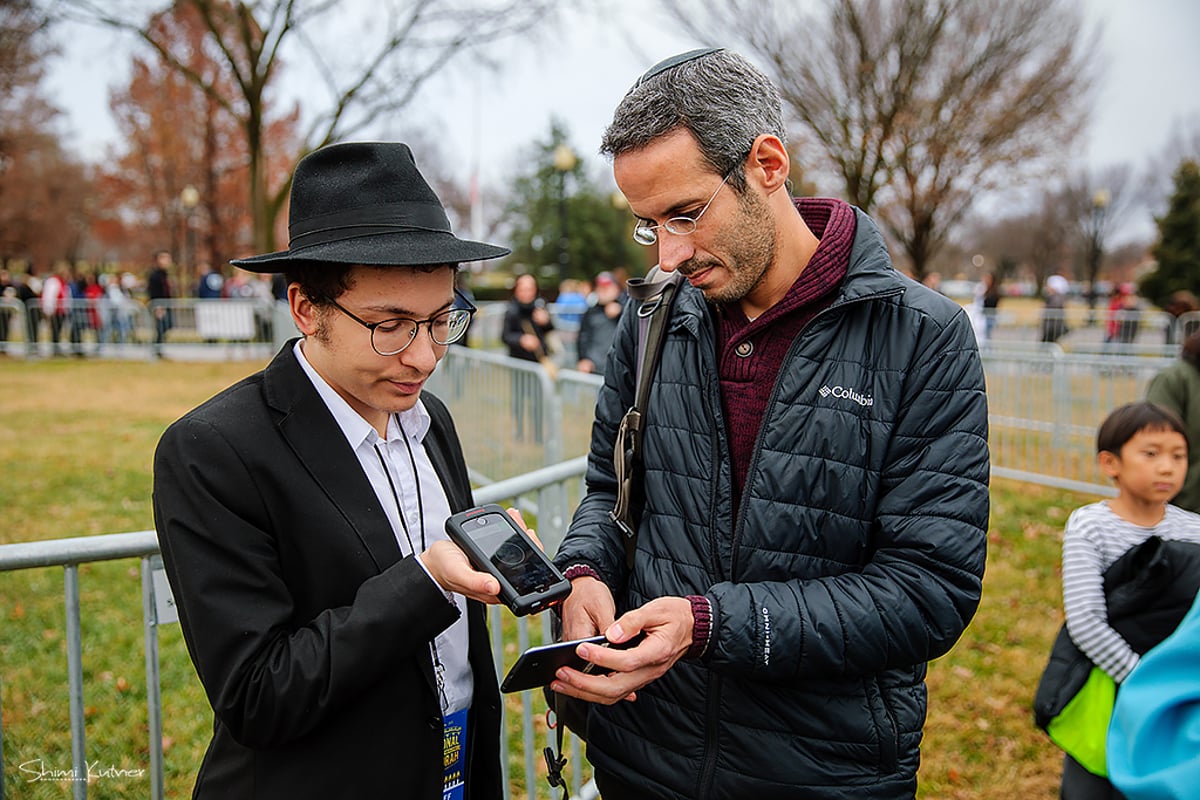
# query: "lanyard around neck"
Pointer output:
{"type": "Point", "coordinates": [396, 495]}
{"type": "Point", "coordinates": [439, 669]}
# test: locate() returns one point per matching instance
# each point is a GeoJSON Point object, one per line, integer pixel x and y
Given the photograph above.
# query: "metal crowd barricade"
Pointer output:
{"type": "Point", "coordinates": [85, 327]}
{"type": "Point", "coordinates": [1183, 326]}
{"type": "Point", "coordinates": [487, 325]}
{"type": "Point", "coordinates": [185, 329]}
{"type": "Point", "coordinates": [514, 419]}
{"type": "Point", "coordinates": [225, 329]}
{"type": "Point", "coordinates": [539, 493]}
{"type": "Point", "coordinates": [505, 410]}
{"type": "Point", "coordinates": [69, 554]}
{"type": "Point", "coordinates": [1078, 328]}
{"type": "Point", "coordinates": [1044, 407]}
{"type": "Point", "coordinates": [14, 326]}
{"type": "Point", "coordinates": [576, 392]}
{"type": "Point", "coordinates": [512, 416]}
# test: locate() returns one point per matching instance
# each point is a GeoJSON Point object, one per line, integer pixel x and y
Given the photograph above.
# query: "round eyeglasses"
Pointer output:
{"type": "Point", "coordinates": [647, 234]}
{"type": "Point", "coordinates": [392, 336]}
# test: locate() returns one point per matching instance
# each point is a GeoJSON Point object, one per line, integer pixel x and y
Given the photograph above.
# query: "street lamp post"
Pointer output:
{"type": "Point", "coordinates": [1100, 200]}
{"type": "Point", "coordinates": [564, 162]}
{"type": "Point", "coordinates": [189, 198]}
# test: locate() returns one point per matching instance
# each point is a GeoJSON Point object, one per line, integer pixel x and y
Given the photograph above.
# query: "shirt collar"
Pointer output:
{"type": "Point", "coordinates": [415, 421]}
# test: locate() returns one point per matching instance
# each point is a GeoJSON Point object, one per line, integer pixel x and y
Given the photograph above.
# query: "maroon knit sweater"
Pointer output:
{"type": "Point", "coordinates": [750, 353]}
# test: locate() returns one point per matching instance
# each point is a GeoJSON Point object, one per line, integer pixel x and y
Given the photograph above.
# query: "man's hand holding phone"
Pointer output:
{"type": "Point", "coordinates": [667, 624]}
{"type": "Point", "coordinates": [497, 543]}
{"type": "Point", "coordinates": [588, 610]}
{"type": "Point", "coordinates": [447, 564]}
{"type": "Point", "coordinates": [537, 666]}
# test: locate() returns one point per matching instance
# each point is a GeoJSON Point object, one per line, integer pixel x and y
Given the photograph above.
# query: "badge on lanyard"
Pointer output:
{"type": "Point", "coordinates": [454, 751]}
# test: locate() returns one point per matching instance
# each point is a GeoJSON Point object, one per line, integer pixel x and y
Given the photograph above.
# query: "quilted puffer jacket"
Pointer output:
{"type": "Point", "coordinates": [857, 555]}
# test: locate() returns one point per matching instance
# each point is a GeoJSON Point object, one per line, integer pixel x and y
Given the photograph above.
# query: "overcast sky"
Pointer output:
{"type": "Point", "coordinates": [1150, 86]}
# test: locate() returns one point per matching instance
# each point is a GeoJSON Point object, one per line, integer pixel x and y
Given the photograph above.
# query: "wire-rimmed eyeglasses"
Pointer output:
{"type": "Point", "coordinates": [392, 336]}
{"type": "Point", "coordinates": [646, 234]}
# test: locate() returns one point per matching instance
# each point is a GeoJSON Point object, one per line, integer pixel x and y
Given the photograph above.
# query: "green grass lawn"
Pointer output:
{"type": "Point", "coordinates": [76, 442]}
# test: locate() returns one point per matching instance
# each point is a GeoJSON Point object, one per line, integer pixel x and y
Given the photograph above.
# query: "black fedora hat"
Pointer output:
{"type": "Point", "coordinates": [366, 203]}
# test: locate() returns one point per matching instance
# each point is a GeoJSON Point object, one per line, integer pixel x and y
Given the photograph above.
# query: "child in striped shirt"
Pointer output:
{"type": "Point", "coordinates": [1143, 448]}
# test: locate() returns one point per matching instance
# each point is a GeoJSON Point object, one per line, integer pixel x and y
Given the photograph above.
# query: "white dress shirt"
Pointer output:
{"type": "Point", "coordinates": [398, 457]}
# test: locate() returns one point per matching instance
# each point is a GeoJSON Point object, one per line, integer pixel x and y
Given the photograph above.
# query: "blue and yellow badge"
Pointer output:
{"type": "Point", "coordinates": [454, 750]}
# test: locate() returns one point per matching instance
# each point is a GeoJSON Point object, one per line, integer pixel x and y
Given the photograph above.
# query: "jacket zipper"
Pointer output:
{"type": "Point", "coordinates": [712, 709]}
{"type": "Point", "coordinates": [708, 764]}
{"type": "Point", "coordinates": [712, 400]}
{"type": "Point", "coordinates": [712, 703]}
{"type": "Point", "coordinates": [752, 467]}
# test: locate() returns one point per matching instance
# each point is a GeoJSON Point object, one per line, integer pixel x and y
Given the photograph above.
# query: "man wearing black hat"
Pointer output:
{"type": "Point", "coordinates": [814, 475]}
{"type": "Point", "coordinates": [339, 636]}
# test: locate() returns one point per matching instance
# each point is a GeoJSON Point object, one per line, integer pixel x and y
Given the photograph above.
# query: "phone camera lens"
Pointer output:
{"type": "Point", "coordinates": [510, 554]}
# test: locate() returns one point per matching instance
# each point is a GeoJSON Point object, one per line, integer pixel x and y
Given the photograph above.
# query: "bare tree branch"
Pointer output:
{"type": "Point", "coordinates": [918, 105]}
{"type": "Point", "coordinates": [408, 41]}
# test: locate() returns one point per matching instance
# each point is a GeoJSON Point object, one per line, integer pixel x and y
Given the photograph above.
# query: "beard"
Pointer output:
{"type": "Point", "coordinates": [324, 325]}
{"type": "Point", "coordinates": [749, 244]}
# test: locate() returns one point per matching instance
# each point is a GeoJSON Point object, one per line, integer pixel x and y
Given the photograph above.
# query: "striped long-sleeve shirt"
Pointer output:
{"type": "Point", "coordinates": [1095, 538]}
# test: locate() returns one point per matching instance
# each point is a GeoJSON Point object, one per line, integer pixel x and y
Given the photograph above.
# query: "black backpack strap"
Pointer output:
{"type": "Point", "coordinates": [556, 758]}
{"type": "Point", "coordinates": [657, 294]}
{"type": "Point", "coordinates": [555, 763]}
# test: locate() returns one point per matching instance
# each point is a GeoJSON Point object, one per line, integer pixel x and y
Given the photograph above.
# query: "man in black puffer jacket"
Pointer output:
{"type": "Point", "coordinates": [815, 475]}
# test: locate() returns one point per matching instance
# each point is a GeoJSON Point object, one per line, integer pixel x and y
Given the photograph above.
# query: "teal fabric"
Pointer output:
{"type": "Point", "coordinates": [1154, 736]}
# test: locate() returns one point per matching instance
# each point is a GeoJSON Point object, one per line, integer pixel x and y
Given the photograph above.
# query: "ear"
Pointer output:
{"type": "Point", "coordinates": [1110, 463]}
{"type": "Point", "coordinates": [304, 311]}
{"type": "Point", "coordinates": [768, 160]}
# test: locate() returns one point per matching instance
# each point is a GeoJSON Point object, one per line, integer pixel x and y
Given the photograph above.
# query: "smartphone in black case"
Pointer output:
{"type": "Point", "coordinates": [494, 543]}
{"type": "Point", "coordinates": [537, 665]}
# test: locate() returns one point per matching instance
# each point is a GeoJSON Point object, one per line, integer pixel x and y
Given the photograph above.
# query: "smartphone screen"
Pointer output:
{"type": "Point", "coordinates": [492, 540]}
{"type": "Point", "coordinates": [509, 552]}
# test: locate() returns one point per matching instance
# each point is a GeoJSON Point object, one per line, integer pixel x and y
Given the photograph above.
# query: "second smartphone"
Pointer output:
{"type": "Point", "coordinates": [538, 665]}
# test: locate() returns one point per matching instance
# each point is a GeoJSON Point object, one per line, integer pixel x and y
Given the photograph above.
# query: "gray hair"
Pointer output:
{"type": "Point", "coordinates": [722, 99]}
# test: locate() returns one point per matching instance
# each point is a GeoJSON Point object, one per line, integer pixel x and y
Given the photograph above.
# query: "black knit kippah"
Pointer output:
{"type": "Point", "coordinates": [675, 61]}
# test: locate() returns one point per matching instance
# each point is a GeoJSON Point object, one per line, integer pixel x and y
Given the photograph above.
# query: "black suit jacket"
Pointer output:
{"type": "Point", "coordinates": [308, 630]}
